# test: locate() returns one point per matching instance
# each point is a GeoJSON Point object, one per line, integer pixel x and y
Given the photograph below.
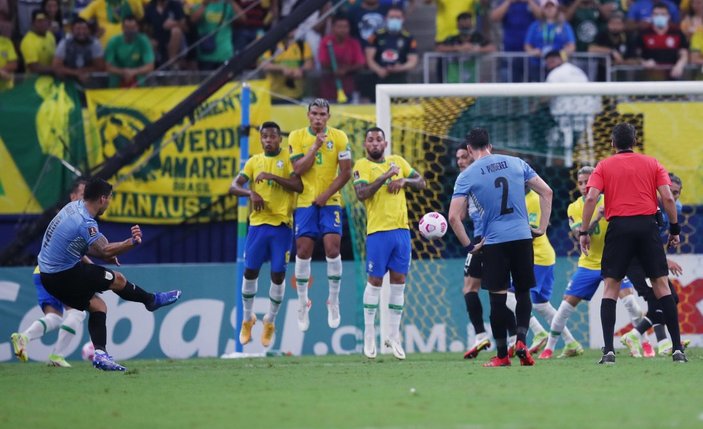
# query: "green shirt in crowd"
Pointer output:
{"type": "Point", "coordinates": [221, 50]}
{"type": "Point", "coordinates": [121, 54]}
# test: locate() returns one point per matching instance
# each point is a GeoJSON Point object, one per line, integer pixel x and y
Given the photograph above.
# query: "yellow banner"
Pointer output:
{"type": "Point", "coordinates": [191, 166]}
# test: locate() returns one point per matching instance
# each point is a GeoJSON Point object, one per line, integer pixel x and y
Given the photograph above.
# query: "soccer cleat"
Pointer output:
{"type": "Point", "coordinates": [333, 316]}
{"type": "Point", "coordinates": [245, 332]}
{"type": "Point", "coordinates": [665, 347]}
{"type": "Point", "coordinates": [607, 358]}
{"type": "Point", "coordinates": [679, 357]}
{"type": "Point", "coordinates": [496, 362]}
{"type": "Point", "coordinates": [304, 316]}
{"type": "Point", "coordinates": [396, 347]}
{"type": "Point", "coordinates": [478, 346]}
{"type": "Point", "coordinates": [522, 352]}
{"type": "Point", "coordinates": [267, 335]}
{"type": "Point", "coordinates": [647, 350]}
{"type": "Point", "coordinates": [19, 346]}
{"type": "Point", "coordinates": [104, 361]}
{"type": "Point", "coordinates": [162, 299]}
{"type": "Point", "coordinates": [632, 341]}
{"type": "Point", "coordinates": [571, 349]}
{"type": "Point", "coordinates": [546, 354]}
{"type": "Point", "coordinates": [685, 343]}
{"type": "Point", "coordinates": [539, 341]}
{"type": "Point", "coordinates": [58, 361]}
{"type": "Point", "coordinates": [370, 343]}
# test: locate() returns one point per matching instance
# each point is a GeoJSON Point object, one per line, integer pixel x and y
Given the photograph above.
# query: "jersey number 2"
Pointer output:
{"type": "Point", "coordinates": [503, 182]}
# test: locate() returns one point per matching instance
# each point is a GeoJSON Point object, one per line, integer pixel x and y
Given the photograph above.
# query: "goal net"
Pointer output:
{"type": "Point", "coordinates": [557, 128]}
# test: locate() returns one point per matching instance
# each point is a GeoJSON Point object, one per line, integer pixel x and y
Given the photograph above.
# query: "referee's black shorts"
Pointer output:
{"type": "Point", "coordinates": [629, 237]}
{"type": "Point", "coordinates": [473, 267]}
{"type": "Point", "coordinates": [636, 275]}
{"type": "Point", "coordinates": [502, 260]}
{"type": "Point", "coordinates": [76, 286]}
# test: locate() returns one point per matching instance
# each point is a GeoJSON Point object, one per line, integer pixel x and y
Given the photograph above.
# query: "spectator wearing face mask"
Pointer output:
{"type": "Point", "coordinates": [392, 50]}
{"type": "Point", "coordinates": [640, 14]}
{"type": "Point", "coordinates": [663, 44]}
{"type": "Point", "coordinates": [467, 41]}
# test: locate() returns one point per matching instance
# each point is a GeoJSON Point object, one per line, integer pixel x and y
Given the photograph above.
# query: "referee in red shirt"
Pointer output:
{"type": "Point", "coordinates": [630, 182]}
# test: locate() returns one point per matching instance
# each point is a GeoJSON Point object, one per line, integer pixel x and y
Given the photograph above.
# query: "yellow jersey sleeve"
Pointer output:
{"type": "Point", "coordinates": [295, 144]}
{"type": "Point", "coordinates": [404, 166]}
{"type": "Point", "coordinates": [543, 250]}
{"type": "Point", "coordinates": [248, 170]}
{"type": "Point", "coordinates": [360, 173]}
{"type": "Point", "coordinates": [574, 214]}
{"type": "Point", "coordinates": [341, 142]}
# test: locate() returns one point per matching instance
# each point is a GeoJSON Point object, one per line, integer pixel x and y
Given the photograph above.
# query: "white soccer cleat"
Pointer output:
{"type": "Point", "coordinates": [370, 343]}
{"type": "Point", "coordinates": [333, 316]}
{"type": "Point", "coordinates": [304, 316]}
{"type": "Point", "coordinates": [396, 347]}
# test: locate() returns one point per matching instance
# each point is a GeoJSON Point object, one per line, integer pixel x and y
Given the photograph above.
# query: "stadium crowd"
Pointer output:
{"type": "Point", "coordinates": [362, 43]}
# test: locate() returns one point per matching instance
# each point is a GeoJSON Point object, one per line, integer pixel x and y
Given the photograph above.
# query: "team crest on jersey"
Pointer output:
{"type": "Point", "coordinates": [330, 145]}
{"type": "Point", "coordinates": [279, 164]}
{"type": "Point", "coordinates": [92, 231]}
{"type": "Point", "coordinates": [370, 266]}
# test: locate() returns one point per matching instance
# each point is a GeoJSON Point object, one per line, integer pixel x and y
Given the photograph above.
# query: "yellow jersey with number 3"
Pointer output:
{"type": "Point", "coordinates": [544, 252]}
{"type": "Point", "coordinates": [384, 211]}
{"type": "Point", "coordinates": [278, 202]}
{"type": "Point", "coordinates": [325, 167]}
{"type": "Point", "coordinates": [575, 213]}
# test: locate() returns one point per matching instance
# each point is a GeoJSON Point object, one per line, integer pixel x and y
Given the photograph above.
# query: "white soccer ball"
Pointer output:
{"type": "Point", "coordinates": [433, 225]}
{"type": "Point", "coordinates": [88, 351]}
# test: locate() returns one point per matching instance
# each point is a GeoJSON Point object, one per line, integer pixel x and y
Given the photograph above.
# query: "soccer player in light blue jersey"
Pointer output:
{"type": "Point", "coordinates": [74, 233]}
{"type": "Point", "coordinates": [495, 184]}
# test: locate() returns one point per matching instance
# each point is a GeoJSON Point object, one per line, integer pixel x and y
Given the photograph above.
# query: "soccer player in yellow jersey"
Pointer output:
{"type": "Point", "coordinates": [272, 188]}
{"type": "Point", "coordinates": [380, 182]}
{"type": "Point", "coordinates": [585, 280]}
{"type": "Point", "coordinates": [322, 158]}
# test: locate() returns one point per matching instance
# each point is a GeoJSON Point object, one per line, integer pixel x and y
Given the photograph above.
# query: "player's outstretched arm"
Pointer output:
{"type": "Point", "coordinates": [292, 183]}
{"type": "Point", "coordinates": [104, 250]}
{"type": "Point", "coordinates": [545, 203]}
{"type": "Point", "coordinates": [345, 172]}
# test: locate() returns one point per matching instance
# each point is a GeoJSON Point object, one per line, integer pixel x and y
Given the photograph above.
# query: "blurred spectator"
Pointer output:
{"type": "Point", "coordinates": [129, 56]}
{"type": "Point", "coordinates": [38, 45]}
{"type": "Point", "coordinates": [286, 71]}
{"type": "Point", "coordinates": [79, 55]}
{"type": "Point", "coordinates": [254, 17]}
{"type": "Point", "coordinates": [7, 18]}
{"type": "Point", "coordinates": [447, 13]}
{"type": "Point", "coordinates": [614, 40]}
{"type": "Point", "coordinates": [639, 14]}
{"type": "Point", "coordinates": [515, 17]}
{"type": "Point", "coordinates": [109, 14]}
{"type": "Point", "coordinates": [392, 51]}
{"type": "Point", "coordinates": [468, 41]}
{"type": "Point", "coordinates": [8, 63]}
{"type": "Point", "coordinates": [697, 48]}
{"type": "Point", "coordinates": [166, 22]}
{"type": "Point", "coordinates": [588, 18]}
{"type": "Point", "coordinates": [52, 8]}
{"type": "Point", "coordinates": [573, 114]}
{"type": "Point", "coordinates": [663, 44]}
{"type": "Point", "coordinates": [692, 23]}
{"type": "Point", "coordinates": [348, 55]}
{"type": "Point", "coordinates": [549, 33]}
{"type": "Point", "coordinates": [366, 18]}
{"type": "Point", "coordinates": [312, 29]}
{"type": "Point", "coordinates": [211, 18]}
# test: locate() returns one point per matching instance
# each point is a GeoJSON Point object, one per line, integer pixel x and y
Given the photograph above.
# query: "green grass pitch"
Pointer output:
{"type": "Point", "coordinates": [353, 392]}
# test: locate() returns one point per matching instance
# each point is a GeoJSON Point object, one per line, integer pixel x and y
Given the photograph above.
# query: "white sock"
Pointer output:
{"type": "Point", "coordinates": [535, 326]}
{"type": "Point", "coordinates": [334, 276]}
{"type": "Point", "coordinates": [372, 296]}
{"type": "Point", "coordinates": [72, 320]}
{"type": "Point", "coordinates": [275, 298]}
{"type": "Point", "coordinates": [559, 323]}
{"type": "Point", "coordinates": [43, 325]}
{"type": "Point", "coordinates": [480, 337]}
{"type": "Point", "coordinates": [302, 277]}
{"type": "Point", "coordinates": [249, 288]}
{"type": "Point", "coordinates": [395, 307]}
{"type": "Point", "coordinates": [546, 310]}
{"type": "Point", "coordinates": [633, 307]}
